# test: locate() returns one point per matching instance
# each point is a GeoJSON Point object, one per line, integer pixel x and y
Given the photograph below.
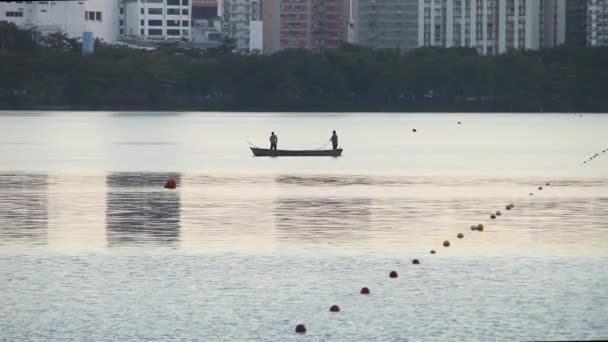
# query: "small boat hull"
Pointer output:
{"type": "Point", "coordinates": [265, 152]}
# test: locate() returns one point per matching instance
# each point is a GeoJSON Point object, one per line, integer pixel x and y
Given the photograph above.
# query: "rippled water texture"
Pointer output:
{"type": "Point", "coordinates": [93, 248]}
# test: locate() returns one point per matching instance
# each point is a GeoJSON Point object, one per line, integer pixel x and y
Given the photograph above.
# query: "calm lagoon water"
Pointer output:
{"type": "Point", "coordinates": [93, 248]}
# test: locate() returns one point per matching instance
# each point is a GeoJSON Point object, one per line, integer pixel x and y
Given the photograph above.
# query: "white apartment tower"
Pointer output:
{"type": "Point", "coordinates": [241, 20]}
{"type": "Point", "coordinates": [155, 19]}
{"type": "Point", "coordinates": [492, 26]}
{"type": "Point", "coordinates": [70, 17]}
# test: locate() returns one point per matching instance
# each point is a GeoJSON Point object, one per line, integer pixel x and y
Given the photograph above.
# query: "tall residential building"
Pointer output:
{"type": "Point", "coordinates": [492, 26]}
{"type": "Point", "coordinates": [553, 23]}
{"type": "Point", "coordinates": [241, 20]}
{"type": "Point", "coordinates": [306, 24]}
{"type": "Point", "coordinates": [386, 23]}
{"type": "Point", "coordinates": [71, 17]}
{"type": "Point", "coordinates": [597, 23]}
{"type": "Point", "coordinates": [155, 19]}
{"type": "Point", "coordinates": [576, 23]}
{"type": "Point", "coordinates": [462, 23]}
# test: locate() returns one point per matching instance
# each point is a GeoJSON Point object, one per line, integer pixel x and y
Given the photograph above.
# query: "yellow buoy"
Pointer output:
{"type": "Point", "coordinates": [480, 227]}
{"type": "Point", "coordinates": [460, 235]}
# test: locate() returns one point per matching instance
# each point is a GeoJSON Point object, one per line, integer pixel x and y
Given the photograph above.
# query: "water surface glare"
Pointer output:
{"type": "Point", "coordinates": [93, 248]}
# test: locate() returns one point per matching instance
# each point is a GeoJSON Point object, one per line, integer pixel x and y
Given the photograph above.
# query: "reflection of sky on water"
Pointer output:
{"type": "Point", "coordinates": [323, 220]}
{"type": "Point", "coordinates": [140, 211]}
{"type": "Point", "coordinates": [23, 208]}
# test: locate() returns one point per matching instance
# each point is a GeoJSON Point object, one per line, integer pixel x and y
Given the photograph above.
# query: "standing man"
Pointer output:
{"type": "Point", "coordinates": [334, 140]}
{"type": "Point", "coordinates": [273, 141]}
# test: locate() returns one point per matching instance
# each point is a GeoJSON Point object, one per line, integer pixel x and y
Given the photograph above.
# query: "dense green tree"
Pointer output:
{"type": "Point", "coordinates": [54, 73]}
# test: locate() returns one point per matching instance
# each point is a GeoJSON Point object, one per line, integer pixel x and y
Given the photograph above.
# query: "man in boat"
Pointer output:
{"type": "Point", "coordinates": [273, 141]}
{"type": "Point", "coordinates": [334, 140]}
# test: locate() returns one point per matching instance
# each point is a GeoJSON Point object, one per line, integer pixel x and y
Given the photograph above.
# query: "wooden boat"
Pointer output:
{"type": "Point", "coordinates": [265, 152]}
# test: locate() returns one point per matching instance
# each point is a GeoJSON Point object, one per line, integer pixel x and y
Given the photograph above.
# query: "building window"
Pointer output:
{"type": "Point", "coordinates": [122, 10]}
{"type": "Point", "coordinates": [98, 16]}
{"type": "Point", "coordinates": [155, 11]}
{"type": "Point", "coordinates": [91, 15]}
{"type": "Point", "coordinates": [185, 23]}
{"type": "Point", "coordinates": [173, 2]}
{"type": "Point", "coordinates": [141, 31]}
{"type": "Point", "coordinates": [142, 23]}
{"type": "Point", "coordinates": [173, 23]}
{"type": "Point", "coordinates": [155, 23]}
{"type": "Point", "coordinates": [14, 14]}
{"type": "Point", "coordinates": [173, 11]}
{"type": "Point", "coordinates": [185, 33]}
{"type": "Point", "coordinates": [184, 2]}
{"type": "Point", "coordinates": [141, 10]}
{"type": "Point", "coordinates": [122, 31]}
{"type": "Point", "coordinates": [185, 11]}
{"type": "Point", "coordinates": [121, 22]}
{"type": "Point", "coordinates": [173, 32]}
{"type": "Point", "coordinates": [155, 32]}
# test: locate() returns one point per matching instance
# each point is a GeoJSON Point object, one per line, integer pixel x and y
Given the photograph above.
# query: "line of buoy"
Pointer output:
{"type": "Point", "coordinates": [300, 328]}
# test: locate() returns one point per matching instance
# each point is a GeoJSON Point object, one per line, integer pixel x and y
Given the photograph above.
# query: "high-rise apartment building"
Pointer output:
{"type": "Point", "coordinates": [71, 17]}
{"type": "Point", "coordinates": [306, 24]}
{"type": "Point", "coordinates": [241, 20]}
{"type": "Point", "coordinates": [386, 23]}
{"type": "Point", "coordinates": [597, 23]}
{"type": "Point", "coordinates": [576, 23]}
{"type": "Point", "coordinates": [492, 26]}
{"type": "Point", "coordinates": [587, 23]}
{"type": "Point", "coordinates": [156, 19]}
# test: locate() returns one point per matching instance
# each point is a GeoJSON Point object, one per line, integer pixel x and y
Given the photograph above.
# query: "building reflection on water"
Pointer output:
{"type": "Point", "coordinates": [323, 220]}
{"type": "Point", "coordinates": [139, 211]}
{"type": "Point", "coordinates": [24, 208]}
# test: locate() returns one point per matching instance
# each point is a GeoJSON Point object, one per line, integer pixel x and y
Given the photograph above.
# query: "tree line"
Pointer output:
{"type": "Point", "coordinates": [51, 73]}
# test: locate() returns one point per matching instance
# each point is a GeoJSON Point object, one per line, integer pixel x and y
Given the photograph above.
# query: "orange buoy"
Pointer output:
{"type": "Point", "coordinates": [365, 291]}
{"type": "Point", "coordinates": [393, 274]}
{"type": "Point", "coordinates": [334, 308]}
{"type": "Point", "coordinates": [170, 184]}
{"type": "Point", "coordinates": [446, 243]}
{"type": "Point", "coordinates": [301, 329]}
{"type": "Point", "coordinates": [460, 235]}
{"type": "Point", "coordinates": [415, 261]}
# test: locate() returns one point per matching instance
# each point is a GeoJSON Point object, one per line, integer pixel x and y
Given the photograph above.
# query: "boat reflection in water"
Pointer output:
{"type": "Point", "coordinates": [24, 209]}
{"type": "Point", "coordinates": [140, 211]}
{"type": "Point", "coordinates": [323, 220]}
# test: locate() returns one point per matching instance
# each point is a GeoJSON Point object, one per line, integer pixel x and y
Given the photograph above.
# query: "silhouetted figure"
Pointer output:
{"type": "Point", "coordinates": [273, 141]}
{"type": "Point", "coordinates": [334, 140]}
